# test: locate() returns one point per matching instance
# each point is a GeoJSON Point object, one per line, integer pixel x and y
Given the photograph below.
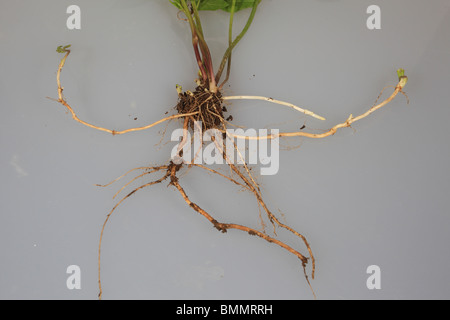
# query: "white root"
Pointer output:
{"type": "Point", "coordinates": [288, 104]}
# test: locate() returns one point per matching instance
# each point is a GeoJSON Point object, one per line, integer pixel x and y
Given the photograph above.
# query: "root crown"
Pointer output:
{"type": "Point", "coordinates": [208, 105]}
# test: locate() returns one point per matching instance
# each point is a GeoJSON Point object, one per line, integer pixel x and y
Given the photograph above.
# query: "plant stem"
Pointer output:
{"type": "Point", "coordinates": [230, 42]}
{"type": "Point", "coordinates": [198, 41]}
{"type": "Point", "coordinates": [197, 18]}
{"type": "Point", "coordinates": [194, 40]}
{"type": "Point", "coordinates": [199, 58]}
{"type": "Point", "coordinates": [227, 54]}
{"type": "Point", "coordinates": [205, 50]}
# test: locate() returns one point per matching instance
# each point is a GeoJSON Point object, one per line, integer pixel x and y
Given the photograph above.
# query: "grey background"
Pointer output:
{"type": "Point", "coordinates": [378, 194]}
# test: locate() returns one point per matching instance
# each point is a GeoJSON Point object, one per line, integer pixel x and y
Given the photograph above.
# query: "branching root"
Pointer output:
{"type": "Point", "coordinates": [205, 106]}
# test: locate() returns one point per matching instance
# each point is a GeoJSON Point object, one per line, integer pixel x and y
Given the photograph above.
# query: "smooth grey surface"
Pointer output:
{"type": "Point", "coordinates": [378, 194]}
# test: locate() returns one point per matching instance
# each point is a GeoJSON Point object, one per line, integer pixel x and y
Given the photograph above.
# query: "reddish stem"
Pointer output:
{"type": "Point", "coordinates": [198, 57]}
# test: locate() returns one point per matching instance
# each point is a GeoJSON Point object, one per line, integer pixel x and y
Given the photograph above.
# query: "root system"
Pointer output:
{"type": "Point", "coordinates": [205, 105]}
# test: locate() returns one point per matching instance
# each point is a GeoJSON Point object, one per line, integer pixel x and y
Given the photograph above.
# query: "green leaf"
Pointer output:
{"type": "Point", "coordinates": [209, 5]}
{"type": "Point", "coordinates": [400, 73]}
{"type": "Point", "coordinates": [62, 49]}
{"type": "Point", "coordinates": [176, 3]}
{"type": "Point", "coordinates": [402, 78]}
